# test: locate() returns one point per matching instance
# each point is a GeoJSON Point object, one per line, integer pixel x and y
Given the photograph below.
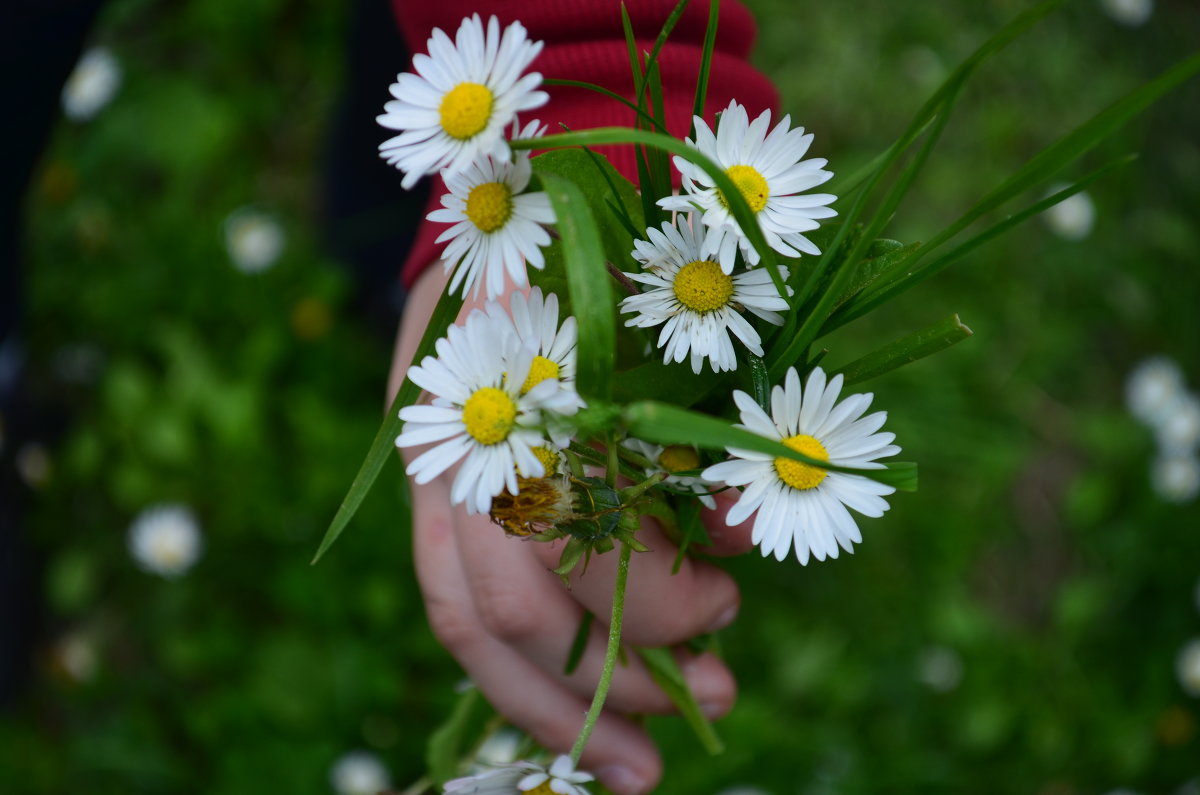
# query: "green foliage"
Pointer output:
{"type": "Point", "coordinates": [1035, 554]}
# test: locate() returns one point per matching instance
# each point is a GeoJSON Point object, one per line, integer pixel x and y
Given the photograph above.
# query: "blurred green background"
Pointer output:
{"type": "Point", "coordinates": [1012, 627]}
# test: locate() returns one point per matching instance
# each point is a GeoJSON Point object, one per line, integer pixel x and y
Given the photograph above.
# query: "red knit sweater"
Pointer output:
{"type": "Point", "coordinates": [584, 41]}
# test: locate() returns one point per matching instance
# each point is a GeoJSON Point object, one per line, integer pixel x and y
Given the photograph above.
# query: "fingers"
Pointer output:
{"type": "Point", "coordinates": [726, 540]}
{"type": "Point", "coordinates": [524, 605]}
{"type": "Point", "coordinates": [620, 753]}
{"type": "Point", "coordinates": [662, 608]}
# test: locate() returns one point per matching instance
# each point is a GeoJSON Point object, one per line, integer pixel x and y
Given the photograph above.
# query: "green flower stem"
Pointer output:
{"type": "Point", "coordinates": [610, 655]}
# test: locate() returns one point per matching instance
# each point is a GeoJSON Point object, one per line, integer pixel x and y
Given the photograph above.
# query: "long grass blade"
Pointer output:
{"type": "Point", "coordinates": [444, 315]}
{"type": "Point", "coordinates": [918, 345]}
{"type": "Point", "coordinates": [706, 56]}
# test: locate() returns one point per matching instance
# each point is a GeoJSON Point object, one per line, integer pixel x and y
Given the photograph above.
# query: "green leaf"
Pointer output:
{"type": "Point", "coordinates": [444, 315]}
{"type": "Point", "coordinates": [667, 675]}
{"type": "Point", "coordinates": [596, 177]}
{"type": "Point", "coordinates": [588, 284]}
{"type": "Point", "coordinates": [706, 55]}
{"type": "Point", "coordinates": [643, 116]}
{"type": "Point", "coordinates": [579, 645]}
{"type": "Point", "coordinates": [446, 744]}
{"type": "Point", "coordinates": [918, 345]}
{"type": "Point", "coordinates": [665, 424]}
{"type": "Point", "coordinates": [1044, 166]}
{"type": "Point", "coordinates": [876, 295]}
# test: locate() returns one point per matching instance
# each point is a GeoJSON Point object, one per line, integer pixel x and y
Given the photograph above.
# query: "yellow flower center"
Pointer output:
{"type": "Point", "coordinates": [750, 184]}
{"type": "Point", "coordinates": [465, 110]}
{"type": "Point", "coordinates": [798, 475]}
{"type": "Point", "coordinates": [541, 369]}
{"type": "Point", "coordinates": [489, 415]}
{"type": "Point", "coordinates": [489, 206]}
{"type": "Point", "coordinates": [548, 457]}
{"type": "Point", "coordinates": [679, 458]}
{"type": "Point", "coordinates": [702, 286]}
{"type": "Point", "coordinates": [541, 789]}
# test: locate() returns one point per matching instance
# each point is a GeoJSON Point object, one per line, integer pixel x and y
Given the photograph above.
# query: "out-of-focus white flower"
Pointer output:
{"type": "Point", "coordinates": [1178, 429]}
{"type": "Point", "coordinates": [500, 748]}
{"type": "Point", "coordinates": [165, 540]}
{"type": "Point", "coordinates": [253, 239]}
{"type": "Point", "coordinates": [33, 464]}
{"type": "Point", "coordinates": [1187, 667]}
{"type": "Point", "coordinates": [92, 84]}
{"type": "Point", "coordinates": [1122, 791]}
{"type": "Point", "coordinates": [1196, 595]}
{"type": "Point", "coordinates": [1176, 478]}
{"type": "Point", "coordinates": [939, 668]}
{"type": "Point", "coordinates": [1073, 217]}
{"type": "Point", "coordinates": [1132, 13]}
{"type": "Point", "coordinates": [359, 773]}
{"type": "Point", "coordinates": [676, 458]}
{"type": "Point", "coordinates": [1152, 386]}
{"type": "Point", "coordinates": [75, 654]}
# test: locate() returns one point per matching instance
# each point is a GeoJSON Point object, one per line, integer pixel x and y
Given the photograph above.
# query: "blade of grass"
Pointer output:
{"type": "Point", "coordinates": [641, 114]}
{"type": "Point", "coordinates": [444, 315]}
{"type": "Point", "coordinates": [1055, 157]}
{"type": "Point", "coordinates": [588, 284]}
{"type": "Point", "coordinates": [867, 301]}
{"type": "Point", "coordinates": [918, 345]}
{"type": "Point", "coordinates": [667, 675]}
{"type": "Point", "coordinates": [706, 55]}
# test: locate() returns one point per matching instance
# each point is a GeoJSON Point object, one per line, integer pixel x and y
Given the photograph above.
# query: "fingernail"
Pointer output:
{"type": "Point", "coordinates": [619, 778]}
{"type": "Point", "coordinates": [725, 619]}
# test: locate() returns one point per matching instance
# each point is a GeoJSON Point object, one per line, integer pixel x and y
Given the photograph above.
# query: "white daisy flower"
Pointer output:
{"type": "Point", "coordinates": [481, 411]}
{"type": "Point", "coordinates": [1178, 428]}
{"type": "Point", "coordinates": [768, 171]}
{"type": "Point", "coordinates": [1073, 217]}
{"type": "Point", "coordinates": [92, 84]}
{"type": "Point", "coordinates": [1132, 13]}
{"type": "Point", "coordinates": [165, 540]}
{"type": "Point", "coordinates": [676, 458]}
{"type": "Point", "coordinates": [800, 505]}
{"type": "Point", "coordinates": [1152, 386]}
{"type": "Point", "coordinates": [697, 301]}
{"type": "Point", "coordinates": [497, 227]}
{"type": "Point", "coordinates": [534, 320]}
{"type": "Point", "coordinates": [1187, 667]}
{"type": "Point", "coordinates": [465, 93]}
{"type": "Point", "coordinates": [359, 773]}
{"type": "Point", "coordinates": [525, 777]}
{"type": "Point", "coordinates": [253, 239]}
{"type": "Point", "coordinates": [1176, 478]}
{"type": "Point", "coordinates": [939, 668]}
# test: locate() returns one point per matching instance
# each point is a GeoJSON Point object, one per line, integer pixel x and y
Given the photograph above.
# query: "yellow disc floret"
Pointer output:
{"type": "Point", "coordinates": [489, 206]}
{"type": "Point", "coordinates": [548, 457]}
{"type": "Point", "coordinates": [489, 415]}
{"type": "Point", "coordinates": [465, 110]}
{"type": "Point", "coordinates": [679, 458]}
{"type": "Point", "coordinates": [750, 184]}
{"type": "Point", "coordinates": [702, 286]}
{"type": "Point", "coordinates": [541, 789]}
{"type": "Point", "coordinates": [541, 369]}
{"type": "Point", "coordinates": [798, 475]}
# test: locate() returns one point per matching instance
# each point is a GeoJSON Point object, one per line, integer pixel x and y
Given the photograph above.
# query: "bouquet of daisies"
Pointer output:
{"type": "Point", "coordinates": [634, 350]}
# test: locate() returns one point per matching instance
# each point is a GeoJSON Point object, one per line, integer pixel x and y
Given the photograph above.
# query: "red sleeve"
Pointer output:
{"type": "Point", "coordinates": [584, 41]}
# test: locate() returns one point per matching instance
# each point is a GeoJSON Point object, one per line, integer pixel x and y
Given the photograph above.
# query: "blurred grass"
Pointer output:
{"type": "Point", "coordinates": [1035, 551]}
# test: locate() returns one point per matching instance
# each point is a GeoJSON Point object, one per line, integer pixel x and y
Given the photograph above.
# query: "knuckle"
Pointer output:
{"type": "Point", "coordinates": [454, 627]}
{"type": "Point", "coordinates": [506, 614]}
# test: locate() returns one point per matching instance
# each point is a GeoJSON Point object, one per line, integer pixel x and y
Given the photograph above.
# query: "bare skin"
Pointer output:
{"type": "Point", "coordinates": [496, 606]}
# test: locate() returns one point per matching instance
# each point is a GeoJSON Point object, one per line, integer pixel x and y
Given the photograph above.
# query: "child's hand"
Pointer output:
{"type": "Point", "coordinates": [496, 606]}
